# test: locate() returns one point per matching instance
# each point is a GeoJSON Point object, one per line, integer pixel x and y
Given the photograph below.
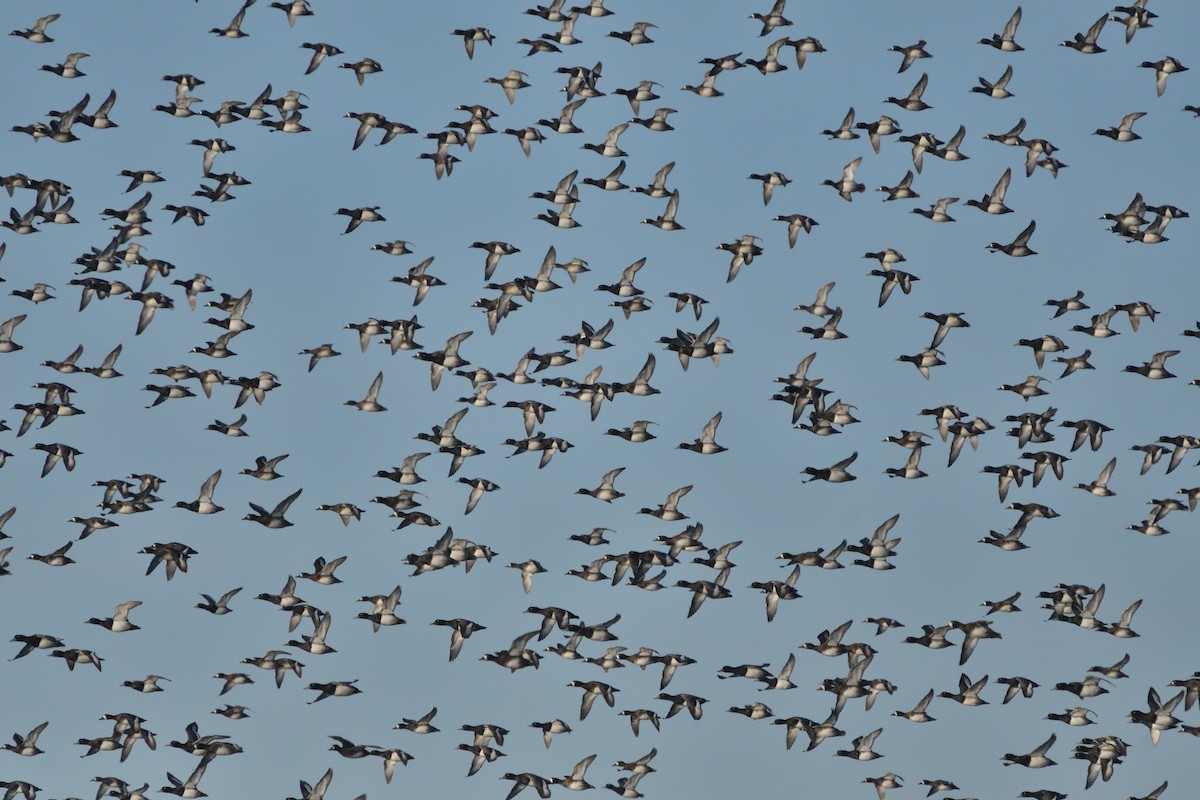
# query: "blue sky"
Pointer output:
{"type": "Point", "coordinates": [281, 238]}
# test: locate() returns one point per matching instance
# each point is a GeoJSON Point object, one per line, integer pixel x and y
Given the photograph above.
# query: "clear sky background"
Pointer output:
{"type": "Point", "coordinates": [281, 238]}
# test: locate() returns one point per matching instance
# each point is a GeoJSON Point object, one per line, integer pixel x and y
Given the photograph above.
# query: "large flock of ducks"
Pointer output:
{"type": "Point", "coordinates": [529, 553]}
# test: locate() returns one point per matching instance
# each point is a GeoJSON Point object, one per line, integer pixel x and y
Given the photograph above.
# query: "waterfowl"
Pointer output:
{"type": "Point", "coordinates": [38, 293]}
{"type": "Point", "coordinates": [772, 19]}
{"type": "Point", "coordinates": [1005, 41]}
{"type": "Point", "coordinates": [844, 131]}
{"type": "Point", "coordinates": [1041, 346]}
{"type": "Point", "coordinates": [446, 358]}
{"type": "Point", "coordinates": [1160, 508]}
{"type": "Point", "coordinates": [920, 142]}
{"type": "Point", "coordinates": [910, 54]}
{"type": "Point", "coordinates": [366, 122]}
{"type": "Point", "coordinates": [321, 51]}
{"type": "Point", "coordinates": [76, 656]}
{"type": "Point", "coordinates": [119, 621]}
{"type": "Point", "coordinates": [540, 443]}
{"type": "Point", "coordinates": [624, 286]}
{"type": "Point", "coordinates": [1035, 759]}
{"type": "Point", "coordinates": [220, 606]}
{"type": "Point", "coordinates": [1101, 754]}
{"type": "Point", "coordinates": [1120, 628]}
{"type": "Point", "coordinates": [835, 473]}
{"type": "Point", "coordinates": [561, 217]}
{"type": "Point", "coordinates": [528, 569]}
{"type": "Point", "coordinates": [901, 191]}
{"type": "Point", "coordinates": [744, 250]}
{"type": "Point", "coordinates": [891, 279]}
{"type": "Point", "coordinates": [275, 518]}
{"type": "Point", "coordinates": [817, 732]}
{"type": "Point", "coordinates": [643, 92]}
{"type": "Point", "coordinates": [1136, 311]}
{"type": "Point", "coordinates": [36, 641]}
{"type": "Point", "coordinates": [69, 67]}
{"type": "Point", "coordinates": [993, 202]}
{"type": "Point", "coordinates": [1152, 233]}
{"type": "Point", "coordinates": [197, 216]}
{"type": "Point", "coordinates": [1075, 717]}
{"type": "Point", "coordinates": [550, 13]}
{"type": "Point", "coordinates": [539, 46]}
{"type": "Point", "coordinates": [912, 101]}
{"type": "Point", "coordinates": [472, 35]}
{"type": "Point", "coordinates": [819, 307]}
{"type": "Point", "coordinates": [1087, 430]}
{"type": "Point", "coordinates": [718, 558]}
{"type": "Point", "coordinates": [587, 338]}
{"type": "Point", "coordinates": [679, 702]}
{"type": "Point", "coordinates": [234, 31]}
{"type": "Point", "coordinates": [1124, 130]}
{"type": "Point", "coordinates": [829, 330]}
{"type": "Point", "coordinates": [204, 503]}
{"type": "Point", "coordinates": [973, 632]}
{"type": "Point", "coordinates": [783, 680]}
{"type": "Point", "coordinates": [636, 34]}
{"type": "Point", "coordinates": [796, 222]}
{"type": "Point", "coordinates": [172, 555]}
{"type": "Point", "coordinates": [333, 689]}
{"type": "Point", "coordinates": [581, 81]}
{"type": "Point", "coordinates": [1018, 247]}
{"type": "Point", "coordinates": [37, 33]}
{"type": "Point", "coordinates": [769, 181]}
{"type": "Point", "coordinates": [770, 62]}
{"type": "Point", "coordinates": [666, 220]}
{"type": "Point", "coordinates": [803, 47]}
{"type": "Point", "coordinates": [707, 87]}
{"type": "Point", "coordinates": [370, 402]}
{"type": "Point", "coordinates": [847, 186]}
{"type": "Point", "coordinates": [637, 432]}
{"type": "Point", "coordinates": [21, 224]}
{"type": "Point", "coordinates": [575, 780]}
{"type": "Point", "coordinates": [524, 780]}
{"type": "Point", "coordinates": [862, 747]}
{"type": "Point", "coordinates": [1100, 325]}
{"type": "Point", "coordinates": [1086, 42]}
{"type": "Point", "coordinates": [56, 452]}
{"type": "Point", "coordinates": [879, 128]}
{"type": "Point", "coordinates": [1137, 16]}
{"type": "Point", "coordinates": [912, 466]}
{"type": "Point", "coordinates": [363, 68]}
{"type": "Point", "coordinates": [27, 745]}
{"type": "Point", "coordinates": [889, 780]}
{"type": "Point", "coordinates": [937, 211]}
{"type": "Point", "coordinates": [135, 213]}
{"type": "Point", "coordinates": [706, 444]}
{"type": "Point", "coordinates": [945, 323]}
{"type": "Point", "coordinates": [358, 216]}
{"type": "Point", "coordinates": [606, 491]}
{"type": "Point", "coordinates": [1155, 368]}
{"type": "Point", "coordinates": [999, 89]}
{"type": "Point", "coordinates": [1163, 68]}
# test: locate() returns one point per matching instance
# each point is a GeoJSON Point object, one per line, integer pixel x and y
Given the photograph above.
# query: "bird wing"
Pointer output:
{"type": "Point", "coordinates": [284, 504]}
{"type": "Point", "coordinates": [1010, 27]}
{"type": "Point", "coordinates": [845, 462]}
{"type": "Point", "coordinates": [674, 497]}
{"type": "Point", "coordinates": [849, 169]}
{"type": "Point", "coordinates": [672, 206]}
{"type": "Point", "coordinates": [373, 392]}
{"type": "Point", "coordinates": [1106, 473]}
